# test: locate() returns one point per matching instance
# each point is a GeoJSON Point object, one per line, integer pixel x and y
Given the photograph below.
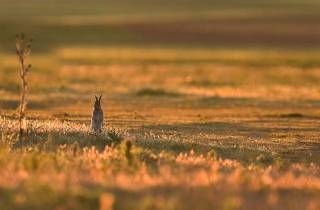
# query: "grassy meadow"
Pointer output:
{"type": "Point", "coordinates": [207, 104]}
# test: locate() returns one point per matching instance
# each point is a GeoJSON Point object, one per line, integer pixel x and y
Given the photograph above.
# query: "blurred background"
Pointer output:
{"type": "Point", "coordinates": [162, 23]}
{"type": "Point", "coordinates": [203, 47]}
{"type": "Point", "coordinates": [227, 79]}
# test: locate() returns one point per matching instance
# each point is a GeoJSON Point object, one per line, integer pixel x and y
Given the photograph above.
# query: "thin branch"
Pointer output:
{"type": "Point", "coordinates": [23, 49]}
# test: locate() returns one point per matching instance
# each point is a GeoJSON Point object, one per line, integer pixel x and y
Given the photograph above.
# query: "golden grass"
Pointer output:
{"type": "Point", "coordinates": [189, 124]}
{"type": "Point", "coordinates": [206, 134]}
{"type": "Point", "coordinates": [72, 171]}
{"type": "Point", "coordinates": [237, 56]}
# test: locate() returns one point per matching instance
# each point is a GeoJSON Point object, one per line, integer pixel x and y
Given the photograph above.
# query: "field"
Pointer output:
{"type": "Point", "coordinates": [208, 105]}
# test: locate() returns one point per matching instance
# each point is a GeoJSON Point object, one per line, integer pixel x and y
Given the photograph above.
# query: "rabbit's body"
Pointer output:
{"type": "Point", "coordinates": [97, 116]}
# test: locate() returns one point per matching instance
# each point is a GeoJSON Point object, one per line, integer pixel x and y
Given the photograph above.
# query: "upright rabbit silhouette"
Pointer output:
{"type": "Point", "coordinates": [97, 115]}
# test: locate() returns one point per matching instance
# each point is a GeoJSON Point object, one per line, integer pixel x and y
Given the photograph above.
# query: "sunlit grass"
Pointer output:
{"type": "Point", "coordinates": [192, 121]}
{"type": "Point", "coordinates": [199, 72]}
{"type": "Point", "coordinates": [96, 55]}
{"type": "Point", "coordinates": [261, 57]}
{"type": "Point", "coordinates": [68, 175]}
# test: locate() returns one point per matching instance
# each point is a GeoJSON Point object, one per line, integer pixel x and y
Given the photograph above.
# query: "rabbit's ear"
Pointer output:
{"type": "Point", "coordinates": [100, 98]}
{"type": "Point", "coordinates": [96, 98]}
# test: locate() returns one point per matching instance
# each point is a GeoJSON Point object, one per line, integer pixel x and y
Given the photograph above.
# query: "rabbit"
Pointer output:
{"type": "Point", "coordinates": [97, 115]}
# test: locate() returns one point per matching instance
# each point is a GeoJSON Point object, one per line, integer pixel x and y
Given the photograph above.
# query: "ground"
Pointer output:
{"type": "Point", "coordinates": [210, 108]}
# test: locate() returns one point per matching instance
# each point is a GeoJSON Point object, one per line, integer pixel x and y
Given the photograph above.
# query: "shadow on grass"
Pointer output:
{"type": "Point", "coordinates": [234, 102]}
{"type": "Point", "coordinates": [243, 155]}
{"type": "Point", "coordinates": [155, 92]}
{"type": "Point", "coordinates": [226, 102]}
{"type": "Point", "coordinates": [52, 140]}
{"type": "Point", "coordinates": [41, 104]}
{"type": "Point", "coordinates": [14, 104]}
{"type": "Point", "coordinates": [238, 141]}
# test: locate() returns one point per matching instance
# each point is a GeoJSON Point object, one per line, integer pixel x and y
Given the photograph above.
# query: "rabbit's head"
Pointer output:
{"type": "Point", "coordinates": [97, 102]}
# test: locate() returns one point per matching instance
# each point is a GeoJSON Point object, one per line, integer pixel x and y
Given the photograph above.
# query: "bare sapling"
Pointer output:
{"type": "Point", "coordinates": [23, 48]}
